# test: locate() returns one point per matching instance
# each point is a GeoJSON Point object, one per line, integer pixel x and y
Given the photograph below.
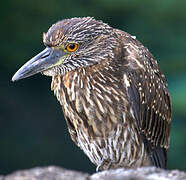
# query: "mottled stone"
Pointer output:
{"type": "Point", "coordinates": [57, 173]}
{"type": "Point", "coordinates": [46, 173]}
{"type": "Point", "coordinates": [147, 173]}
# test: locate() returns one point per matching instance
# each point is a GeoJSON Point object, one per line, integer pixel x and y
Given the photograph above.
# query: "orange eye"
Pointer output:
{"type": "Point", "coordinates": [72, 47]}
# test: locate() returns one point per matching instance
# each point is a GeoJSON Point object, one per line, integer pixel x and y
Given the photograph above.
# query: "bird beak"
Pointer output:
{"type": "Point", "coordinates": [46, 59]}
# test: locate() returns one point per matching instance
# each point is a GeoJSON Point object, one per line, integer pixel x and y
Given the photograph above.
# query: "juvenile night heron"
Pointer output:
{"type": "Point", "coordinates": [114, 97]}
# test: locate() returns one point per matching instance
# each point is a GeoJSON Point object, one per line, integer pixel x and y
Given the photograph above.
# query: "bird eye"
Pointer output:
{"type": "Point", "coordinates": [72, 47]}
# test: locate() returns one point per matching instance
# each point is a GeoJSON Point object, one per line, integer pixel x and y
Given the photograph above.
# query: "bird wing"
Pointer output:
{"type": "Point", "coordinates": [150, 103]}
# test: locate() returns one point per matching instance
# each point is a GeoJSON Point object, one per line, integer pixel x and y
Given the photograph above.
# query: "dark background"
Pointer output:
{"type": "Point", "coordinates": [32, 129]}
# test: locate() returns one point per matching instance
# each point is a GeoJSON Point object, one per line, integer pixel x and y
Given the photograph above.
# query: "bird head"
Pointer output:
{"type": "Point", "coordinates": [70, 44]}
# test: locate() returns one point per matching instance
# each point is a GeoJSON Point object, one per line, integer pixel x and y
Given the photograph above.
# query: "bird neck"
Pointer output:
{"type": "Point", "coordinates": [78, 77]}
{"type": "Point", "coordinates": [91, 82]}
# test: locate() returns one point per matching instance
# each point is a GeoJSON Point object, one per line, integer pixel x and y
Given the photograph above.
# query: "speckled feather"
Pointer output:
{"type": "Point", "coordinates": [113, 95]}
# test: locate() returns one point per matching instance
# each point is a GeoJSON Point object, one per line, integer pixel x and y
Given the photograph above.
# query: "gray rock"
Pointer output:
{"type": "Point", "coordinates": [57, 173]}
{"type": "Point", "coordinates": [46, 173]}
{"type": "Point", "coordinates": [147, 173]}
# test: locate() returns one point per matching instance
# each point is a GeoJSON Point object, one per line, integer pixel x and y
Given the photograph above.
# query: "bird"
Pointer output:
{"type": "Point", "coordinates": [114, 97]}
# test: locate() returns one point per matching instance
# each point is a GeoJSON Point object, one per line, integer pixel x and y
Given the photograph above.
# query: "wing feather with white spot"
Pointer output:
{"type": "Point", "coordinates": [150, 103]}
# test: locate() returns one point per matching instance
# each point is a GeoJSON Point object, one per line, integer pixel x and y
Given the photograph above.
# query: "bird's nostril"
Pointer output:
{"type": "Point", "coordinates": [45, 55]}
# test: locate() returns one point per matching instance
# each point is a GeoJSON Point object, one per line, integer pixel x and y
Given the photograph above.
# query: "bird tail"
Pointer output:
{"type": "Point", "coordinates": [159, 157]}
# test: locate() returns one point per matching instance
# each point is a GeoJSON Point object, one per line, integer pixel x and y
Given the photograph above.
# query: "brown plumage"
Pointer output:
{"type": "Point", "coordinates": [113, 94]}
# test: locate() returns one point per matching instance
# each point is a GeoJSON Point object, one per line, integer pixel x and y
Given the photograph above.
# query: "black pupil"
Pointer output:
{"type": "Point", "coordinates": [72, 46]}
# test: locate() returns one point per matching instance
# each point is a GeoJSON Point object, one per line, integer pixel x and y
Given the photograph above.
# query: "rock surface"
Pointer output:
{"type": "Point", "coordinates": [57, 173]}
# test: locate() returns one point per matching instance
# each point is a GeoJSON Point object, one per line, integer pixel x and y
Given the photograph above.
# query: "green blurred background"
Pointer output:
{"type": "Point", "coordinates": [32, 130]}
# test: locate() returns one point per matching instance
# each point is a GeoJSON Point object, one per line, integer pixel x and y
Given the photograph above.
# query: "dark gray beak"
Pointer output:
{"type": "Point", "coordinates": [46, 59]}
